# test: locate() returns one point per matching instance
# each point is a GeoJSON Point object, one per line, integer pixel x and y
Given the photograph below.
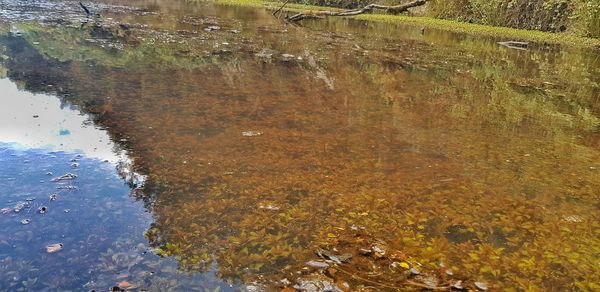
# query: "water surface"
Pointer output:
{"type": "Point", "coordinates": [262, 143]}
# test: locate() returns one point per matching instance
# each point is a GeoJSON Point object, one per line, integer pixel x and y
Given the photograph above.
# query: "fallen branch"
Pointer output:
{"type": "Point", "coordinates": [389, 9]}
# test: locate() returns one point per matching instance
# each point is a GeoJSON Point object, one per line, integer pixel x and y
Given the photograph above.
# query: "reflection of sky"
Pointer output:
{"type": "Point", "coordinates": [54, 129]}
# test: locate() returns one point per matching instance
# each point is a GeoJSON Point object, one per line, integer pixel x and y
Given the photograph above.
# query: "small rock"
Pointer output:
{"type": "Point", "coordinates": [25, 221]}
{"type": "Point", "coordinates": [344, 258]}
{"type": "Point", "coordinates": [379, 250]}
{"type": "Point", "coordinates": [42, 209]}
{"type": "Point", "coordinates": [316, 283]}
{"type": "Point", "coordinates": [317, 264]}
{"type": "Point", "coordinates": [36, 116]}
{"type": "Point", "coordinates": [287, 57]}
{"type": "Point", "coordinates": [481, 286]}
{"type": "Point", "coordinates": [5, 211]}
{"type": "Point", "coordinates": [19, 206]}
{"type": "Point", "coordinates": [49, 173]}
{"type": "Point", "coordinates": [365, 251]}
{"type": "Point", "coordinates": [457, 285]}
{"type": "Point", "coordinates": [74, 165]}
{"type": "Point", "coordinates": [68, 176]}
{"type": "Point", "coordinates": [414, 271]}
{"type": "Point", "coordinates": [53, 197]}
{"type": "Point", "coordinates": [343, 285]}
{"type": "Point", "coordinates": [285, 282]}
{"type": "Point", "coordinates": [67, 211]}
{"type": "Point", "coordinates": [430, 281]}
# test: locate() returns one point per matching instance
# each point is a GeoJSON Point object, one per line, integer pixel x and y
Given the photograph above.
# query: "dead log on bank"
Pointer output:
{"type": "Point", "coordinates": [395, 9]}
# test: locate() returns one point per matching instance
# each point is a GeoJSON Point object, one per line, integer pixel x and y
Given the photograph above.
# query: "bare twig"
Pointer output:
{"type": "Point", "coordinates": [87, 11]}
{"type": "Point", "coordinates": [395, 9]}
{"type": "Point", "coordinates": [282, 6]}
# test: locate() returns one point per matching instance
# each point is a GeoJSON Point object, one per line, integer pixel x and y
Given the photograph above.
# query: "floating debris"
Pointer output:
{"type": "Point", "coordinates": [515, 45]}
{"type": "Point", "coordinates": [69, 188]}
{"type": "Point", "coordinates": [125, 285]}
{"type": "Point", "coordinates": [211, 28]}
{"type": "Point", "coordinates": [338, 259]}
{"type": "Point", "coordinates": [53, 197]}
{"type": "Point", "coordinates": [5, 211]}
{"type": "Point", "coordinates": [74, 165]}
{"type": "Point", "coordinates": [55, 247]}
{"type": "Point", "coordinates": [251, 133]}
{"type": "Point", "coordinates": [42, 209]}
{"type": "Point", "coordinates": [25, 221]}
{"type": "Point", "coordinates": [269, 207]}
{"type": "Point", "coordinates": [264, 54]}
{"type": "Point", "coordinates": [572, 218]}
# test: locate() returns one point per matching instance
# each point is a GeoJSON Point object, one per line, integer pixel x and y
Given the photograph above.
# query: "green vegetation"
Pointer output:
{"type": "Point", "coordinates": [574, 37]}
{"type": "Point", "coordinates": [581, 17]}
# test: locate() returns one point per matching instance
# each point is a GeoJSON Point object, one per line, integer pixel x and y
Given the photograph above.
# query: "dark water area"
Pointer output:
{"type": "Point", "coordinates": [97, 217]}
{"type": "Point", "coordinates": [217, 147]}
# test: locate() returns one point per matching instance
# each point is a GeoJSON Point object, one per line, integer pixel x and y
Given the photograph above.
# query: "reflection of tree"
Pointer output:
{"type": "Point", "coordinates": [416, 151]}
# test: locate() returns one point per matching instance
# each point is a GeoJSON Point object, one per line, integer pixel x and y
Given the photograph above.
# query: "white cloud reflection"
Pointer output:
{"type": "Point", "coordinates": [37, 121]}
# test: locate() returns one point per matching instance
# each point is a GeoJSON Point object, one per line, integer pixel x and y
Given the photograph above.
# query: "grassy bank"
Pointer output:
{"type": "Point", "coordinates": [567, 39]}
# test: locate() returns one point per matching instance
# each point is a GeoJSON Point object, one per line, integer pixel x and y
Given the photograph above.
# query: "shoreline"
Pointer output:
{"type": "Point", "coordinates": [534, 36]}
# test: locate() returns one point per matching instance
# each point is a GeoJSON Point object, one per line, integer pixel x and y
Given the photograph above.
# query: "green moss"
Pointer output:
{"type": "Point", "coordinates": [567, 39]}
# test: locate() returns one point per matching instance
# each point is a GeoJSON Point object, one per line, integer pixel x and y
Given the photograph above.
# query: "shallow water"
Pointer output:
{"type": "Point", "coordinates": [235, 153]}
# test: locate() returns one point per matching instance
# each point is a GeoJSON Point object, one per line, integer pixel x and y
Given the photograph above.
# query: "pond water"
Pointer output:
{"type": "Point", "coordinates": [218, 148]}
